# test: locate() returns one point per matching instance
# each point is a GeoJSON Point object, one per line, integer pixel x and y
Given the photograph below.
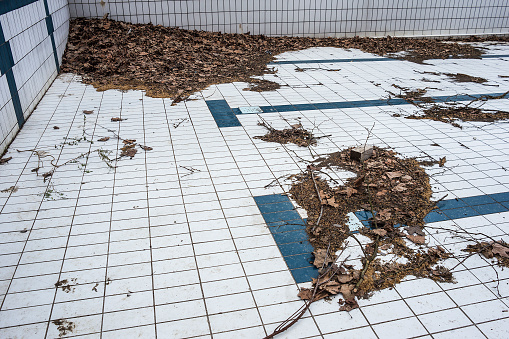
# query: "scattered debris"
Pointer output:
{"type": "Point", "coordinates": [492, 249]}
{"type": "Point", "coordinates": [262, 85]}
{"type": "Point", "coordinates": [12, 189]}
{"type": "Point", "coordinates": [66, 285]}
{"type": "Point", "coordinates": [128, 150]}
{"type": "Point", "coordinates": [451, 111]}
{"type": "Point", "coordinates": [176, 63]}
{"type": "Point", "coordinates": [64, 326]}
{"type": "Point", "coordinates": [296, 134]}
{"type": "Point", "coordinates": [460, 77]}
{"type": "Point", "coordinates": [95, 287]}
{"type": "Point", "coordinates": [5, 160]}
{"type": "Point", "coordinates": [56, 127]}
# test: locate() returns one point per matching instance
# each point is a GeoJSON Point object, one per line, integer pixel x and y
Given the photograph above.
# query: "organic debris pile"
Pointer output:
{"type": "Point", "coordinates": [460, 77]}
{"type": "Point", "coordinates": [172, 62]}
{"type": "Point", "coordinates": [296, 134]}
{"type": "Point", "coordinates": [394, 191]}
{"type": "Point", "coordinates": [492, 249]}
{"type": "Point", "coordinates": [451, 111]}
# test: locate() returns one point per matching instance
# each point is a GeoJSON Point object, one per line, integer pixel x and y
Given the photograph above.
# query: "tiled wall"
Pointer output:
{"type": "Point", "coordinates": [310, 17]}
{"type": "Point", "coordinates": [33, 35]}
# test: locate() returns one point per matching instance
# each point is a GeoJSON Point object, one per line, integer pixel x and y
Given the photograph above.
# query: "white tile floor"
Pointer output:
{"type": "Point", "coordinates": [171, 242]}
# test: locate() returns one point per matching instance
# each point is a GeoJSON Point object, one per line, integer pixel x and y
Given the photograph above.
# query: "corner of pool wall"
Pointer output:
{"type": "Point", "coordinates": [33, 37]}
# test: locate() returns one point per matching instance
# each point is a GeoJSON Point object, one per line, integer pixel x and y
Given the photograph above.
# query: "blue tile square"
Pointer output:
{"type": "Point", "coordinates": [462, 212]}
{"type": "Point", "coordinates": [287, 225]}
{"type": "Point", "coordinates": [291, 236]}
{"type": "Point", "coordinates": [451, 203]}
{"type": "Point", "coordinates": [280, 216]}
{"type": "Point", "coordinates": [490, 208]}
{"type": "Point", "coordinates": [295, 248]}
{"type": "Point", "coordinates": [299, 260]}
{"type": "Point", "coordinates": [435, 216]}
{"type": "Point", "coordinates": [271, 198]}
{"type": "Point", "coordinates": [284, 108]}
{"type": "Point", "coordinates": [276, 207]}
{"type": "Point", "coordinates": [268, 109]}
{"type": "Point", "coordinates": [500, 197]}
{"type": "Point", "coordinates": [305, 274]}
{"type": "Point", "coordinates": [304, 107]}
{"type": "Point", "coordinates": [478, 200]}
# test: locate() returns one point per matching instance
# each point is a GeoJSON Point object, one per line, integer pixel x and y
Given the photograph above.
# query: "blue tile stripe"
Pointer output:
{"type": "Point", "coordinates": [7, 6]}
{"type": "Point", "coordinates": [289, 232]}
{"type": "Point", "coordinates": [222, 113]}
{"type": "Point", "coordinates": [6, 64]}
{"type": "Point", "coordinates": [289, 229]}
{"type": "Point", "coordinates": [51, 29]}
{"type": "Point", "coordinates": [333, 61]}
{"type": "Point", "coordinates": [364, 103]}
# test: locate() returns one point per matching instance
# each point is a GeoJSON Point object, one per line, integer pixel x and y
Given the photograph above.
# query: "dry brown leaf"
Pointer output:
{"type": "Point", "coordinates": [501, 250]}
{"type": "Point", "coordinates": [380, 231]}
{"type": "Point", "coordinates": [442, 161]}
{"type": "Point", "coordinates": [344, 278]}
{"type": "Point", "coordinates": [400, 188]}
{"type": "Point", "coordinates": [412, 230]}
{"type": "Point", "coordinates": [380, 193]}
{"type": "Point", "coordinates": [129, 141]}
{"type": "Point", "coordinates": [347, 291]}
{"type": "Point", "coordinates": [384, 214]}
{"type": "Point", "coordinates": [146, 148]}
{"type": "Point", "coordinates": [349, 304]}
{"type": "Point", "coordinates": [320, 255]}
{"type": "Point", "coordinates": [116, 119]}
{"type": "Point", "coordinates": [88, 112]}
{"type": "Point", "coordinates": [392, 175]}
{"type": "Point", "coordinates": [416, 239]}
{"type": "Point", "coordinates": [406, 178]}
{"type": "Point", "coordinates": [332, 202]}
{"type": "Point", "coordinates": [305, 294]}
{"type": "Point", "coordinates": [104, 139]}
{"type": "Point", "coordinates": [332, 287]}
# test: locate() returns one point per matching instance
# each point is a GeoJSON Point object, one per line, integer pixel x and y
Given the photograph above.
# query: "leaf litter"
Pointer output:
{"type": "Point", "coordinates": [450, 111]}
{"type": "Point", "coordinates": [175, 63]}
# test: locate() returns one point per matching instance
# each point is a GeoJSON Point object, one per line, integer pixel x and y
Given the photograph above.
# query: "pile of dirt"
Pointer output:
{"type": "Point", "coordinates": [394, 192]}
{"type": "Point", "coordinates": [171, 62]}
{"type": "Point", "coordinates": [398, 190]}
{"type": "Point", "coordinates": [296, 134]}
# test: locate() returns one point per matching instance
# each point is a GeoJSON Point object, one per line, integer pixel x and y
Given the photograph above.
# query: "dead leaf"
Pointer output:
{"type": "Point", "coordinates": [392, 175]}
{"type": "Point", "coordinates": [332, 287]}
{"type": "Point", "coordinates": [344, 278]}
{"type": "Point", "coordinates": [442, 161]}
{"type": "Point", "coordinates": [358, 181]}
{"type": "Point", "coordinates": [416, 239]}
{"type": "Point", "coordinates": [305, 294]}
{"type": "Point", "coordinates": [347, 291]}
{"type": "Point", "coordinates": [88, 112]}
{"type": "Point", "coordinates": [406, 178]}
{"type": "Point", "coordinates": [349, 305]}
{"type": "Point", "coordinates": [146, 148]}
{"type": "Point", "coordinates": [320, 255]}
{"type": "Point", "coordinates": [129, 141]}
{"type": "Point", "coordinates": [384, 214]}
{"type": "Point", "coordinates": [332, 202]}
{"type": "Point", "coordinates": [104, 139]}
{"type": "Point", "coordinates": [414, 230]}
{"type": "Point", "coordinates": [5, 160]}
{"type": "Point", "coordinates": [501, 250]}
{"type": "Point", "coordinates": [380, 193]}
{"type": "Point", "coordinates": [117, 119]}
{"type": "Point", "coordinates": [400, 188]}
{"type": "Point", "coordinates": [380, 231]}
{"type": "Point", "coordinates": [56, 127]}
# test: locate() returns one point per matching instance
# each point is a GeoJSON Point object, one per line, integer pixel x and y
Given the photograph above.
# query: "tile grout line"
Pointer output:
{"type": "Point", "coordinates": [187, 219]}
